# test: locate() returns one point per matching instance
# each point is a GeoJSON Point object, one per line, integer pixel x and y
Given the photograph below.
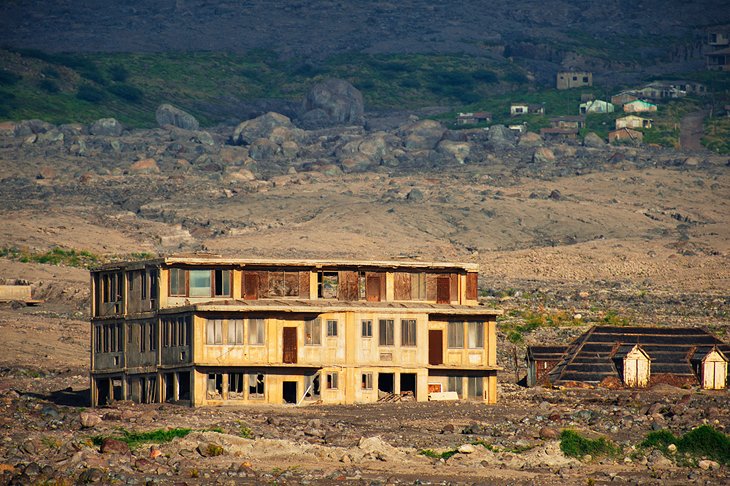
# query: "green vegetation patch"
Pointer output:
{"type": "Point", "coordinates": [438, 455]}
{"type": "Point", "coordinates": [575, 445]}
{"type": "Point", "coordinates": [55, 256]}
{"type": "Point", "coordinates": [135, 439]}
{"type": "Point", "coordinates": [702, 442]}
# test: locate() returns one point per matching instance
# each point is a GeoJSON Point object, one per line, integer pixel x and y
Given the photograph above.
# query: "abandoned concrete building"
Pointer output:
{"type": "Point", "coordinates": [573, 79]}
{"type": "Point", "coordinates": [206, 330]}
{"type": "Point", "coordinates": [633, 357]}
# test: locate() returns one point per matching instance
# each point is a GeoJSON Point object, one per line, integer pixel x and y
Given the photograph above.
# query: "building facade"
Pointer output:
{"type": "Point", "coordinates": [206, 330]}
{"type": "Point", "coordinates": [573, 79]}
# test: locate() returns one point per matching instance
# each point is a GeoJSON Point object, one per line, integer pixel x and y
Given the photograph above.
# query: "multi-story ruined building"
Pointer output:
{"type": "Point", "coordinates": [206, 330]}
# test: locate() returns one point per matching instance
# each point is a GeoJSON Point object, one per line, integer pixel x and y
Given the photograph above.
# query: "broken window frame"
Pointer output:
{"type": "Point", "coordinates": [475, 335]}
{"type": "Point", "coordinates": [333, 380]}
{"type": "Point", "coordinates": [214, 386]}
{"type": "Point", "coordinates": [455, 335]}
{"type": "Point", "coordinates": [366, 381]}
{"type": "Point", "coordinates": [408, 331]}
{"type": "Point", "coordinates": [283, 283]}
{"type": "Point", "coordinates": [366, 328]}
{"type": "Point", "coordinates": [313, 332]}
{"type": "Point", "coordinates": [221, 282]}
{"type": "Point", "coordinates": [258, 385]}
{"type": "Point", "coordinates": [332, 328]}
{"type": "Point", "coordinates": [236, 385]}
{"type": "Point", "coordinates": [386, 332]}
{"type": "Point", "coordinates": [256, 332]}
{"type": "Point", "coordinates": [328, 283]}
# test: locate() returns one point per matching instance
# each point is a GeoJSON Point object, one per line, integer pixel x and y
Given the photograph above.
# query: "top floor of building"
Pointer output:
{"type": "Point", "coordinates": [129, 288]}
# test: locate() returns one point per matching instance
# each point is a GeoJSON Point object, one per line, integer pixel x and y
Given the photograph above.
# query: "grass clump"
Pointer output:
{"type": "Point", "coordinates": [438, 455]}
{"type": "Point", "coordinates": [135, 439]}
{"type": "Point", "coordinates": [572, 444]}
{"type": "Point", "coordinates": [54, 256]}
{"type": "Point", "coordinates": [702, 442]}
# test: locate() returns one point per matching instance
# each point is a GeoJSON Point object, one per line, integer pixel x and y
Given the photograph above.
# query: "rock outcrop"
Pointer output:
{"type": "Point", "coordinates": [170, 115]}
{"type": "Point", "coordinates": [109, 127]}
{"type": "Point", "coordinates": [330, 103]}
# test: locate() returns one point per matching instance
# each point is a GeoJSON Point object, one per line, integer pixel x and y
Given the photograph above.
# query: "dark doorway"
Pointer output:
{"type": "Point", "coordinates": [443, 290]}
{"type": "Point", "coordinates": [170, 387]}
{"type": "Point", "coordinates": [372, 285]}
{"type": "Point", "coordinates": [435, 347]}
{"type": "Point", "coordinates": [290, 392]}
{"type": "Point", "coordinates": [183, 385]}
{"type": "Point", "coordinates": [290, 345]}
{"type": "Point", "coordinates": [117, 389]}
{"type": "Point", "coordinates": [102, 391]}
{"type": "Point", "coordinates": [386, 382]}
{"type": "Point", "coordinates": [250, 286]}
{"type": "Point", "coordinates": [408, 383]}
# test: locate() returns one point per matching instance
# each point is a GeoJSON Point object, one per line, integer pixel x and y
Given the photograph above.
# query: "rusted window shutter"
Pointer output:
{"type": "Point", "coordinates": [472, 282]}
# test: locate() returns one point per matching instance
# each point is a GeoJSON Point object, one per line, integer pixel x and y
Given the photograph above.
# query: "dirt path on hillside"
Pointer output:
{"type": "Point", "coordinates": [691, 130]}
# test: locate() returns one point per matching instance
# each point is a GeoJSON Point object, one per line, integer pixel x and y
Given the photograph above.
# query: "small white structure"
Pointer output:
{"type": "Point", "coordinates": [637, 368]}
{"type": "Point", "coordinates": [713, 370]}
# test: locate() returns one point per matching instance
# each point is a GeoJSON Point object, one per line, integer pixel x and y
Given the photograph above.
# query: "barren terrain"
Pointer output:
{"type": "Point", "coordinates": [638, 235]}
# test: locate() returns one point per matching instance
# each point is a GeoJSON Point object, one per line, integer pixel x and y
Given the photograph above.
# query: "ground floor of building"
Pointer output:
{"type": "Point", "coordinates": [231, 386]}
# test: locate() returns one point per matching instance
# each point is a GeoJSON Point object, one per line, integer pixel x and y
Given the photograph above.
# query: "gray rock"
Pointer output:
{"type": "Point", "coordinates": [260, 127]}
{"type": "Point", "coordinates": [336, 102]}
{"type": "Point", "coordinates": [89, 419]}
{"type": "Point", "coordinates": [263, 149]}
{"type": "Point", "coordinates": [108, 127]}
{"type": "Point", "coordinates": [170, 115]}
{"type": "Point", "coordinates": [114, 446]}
{"type": "Point", "coordinates": [593, 140]}
{"type": "Point", "coordinates": [423, 135]}
{"type": "Point", "coordinates": [27, 127]}
{"type": "Point", "coordinates": [415, 195]}
{"type": "Point", "coordinates": [499, 136]}
{"type": "Point", "coordinates": [530, 139]}
{"type": "Point", "coordinates": [543, 155]}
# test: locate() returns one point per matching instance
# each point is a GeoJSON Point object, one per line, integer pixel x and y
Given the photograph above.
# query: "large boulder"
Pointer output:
{"type": "Point", "coordinates": [171, 115]}
{"type": "Point", "coordinates": [530, 139]}
{"type": "Point", "coordinates": [458, 150]}
{"type": "Point", "coordinates": [499, 136]}
{"type": "Point", "coordinates": [260, 127]}
{"type": "Point", "coordinates": [543, 155]}
{"type": "Point", "coordinates": [423, 135]}
{"type": "Point", "coordinates": [593, 140]}
{"type": "Point", "coordinates": [332, 102]}
{"type": "Point", "coordinates": [108, 127]}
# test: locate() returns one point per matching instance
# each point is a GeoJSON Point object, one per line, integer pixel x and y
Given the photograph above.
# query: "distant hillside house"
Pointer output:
{"type": "Point", "coordinates": [540, 361]}
{"type": "Point", "coordinates": [558, 134]}
{"type": "Point", "coordinates": [719, 60]}
{"type": "Point", "coordinates": [473, 118]}
{"type": "Point", "coordinates": [623, 98]}
{"type": "Point", "coordinates": [643, 356]}
{"type": "Point", "coordinates": [518, 127]}
{"type": "Point", "coordinates": [596, 106]}
{"type": "Point", "coordinates": [519, 109]}
{"type": "Point", "coordinates": [659, 91]}
{"type": "Point", "coordinates": [718, 39]}
{"type": "Point", "coordinates": [639, 106]}
{"type": "Point", "coordinates": [633, 121]}
{"type": "Point", "coordinates": [577, 122]}
{"type": "Point", "coordinates": [574, 79]}
{"type": "Point", "coordinates": [625, 135]}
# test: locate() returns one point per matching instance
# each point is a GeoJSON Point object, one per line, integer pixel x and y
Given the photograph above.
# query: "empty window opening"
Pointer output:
{"type": "Point", "coordinates": [235, 385]}
{"type": "Point", "coordinates": [170, 387]}
{"type": "Point", "coordinates": [183, 385]}
{"type": "Point", "coordinates": [331, 328]}
{"type": "Point", "coordinates": [256, 386]}
{"type": "Point", "coordinates": [456, 384]}
{"type": "Point", "coordinates": [366, 382]}
{"type": "Point", "coordinates": [311, 387]}
{"type": "Point", "coordinates": [386, 330]}
{"type": "Point", "coordinates": [215, 386]}
{"type": "Point", "coordinates": [289, 391]}
{"type": "Point", "coordinates": [256, 331]}
{"type": "Point", "coordinates": [117, 390]}
{"type": "Point", "coordinates": [476, 387]}
{"type": "Point", "coordinates": [199, 281]}
{"type": "Point", "coordinates": [367, 328]}
{"type": "Point", "coordinates": [386, 382]}
{"type": "Point", "coordinates": [222, 283]}
{"type": "Point", "coordinates": [313, 332]}
{"type": "Point", "coordinates": [327, 285]}
{"type": "Point", "coordinates": [408, 332]}
{"type": "Point", "coordinates": [333, 379]}
{"type": "Point", "coordinates": [144, 284]}
{"type": "Point", "coordinates": [408, 383]}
